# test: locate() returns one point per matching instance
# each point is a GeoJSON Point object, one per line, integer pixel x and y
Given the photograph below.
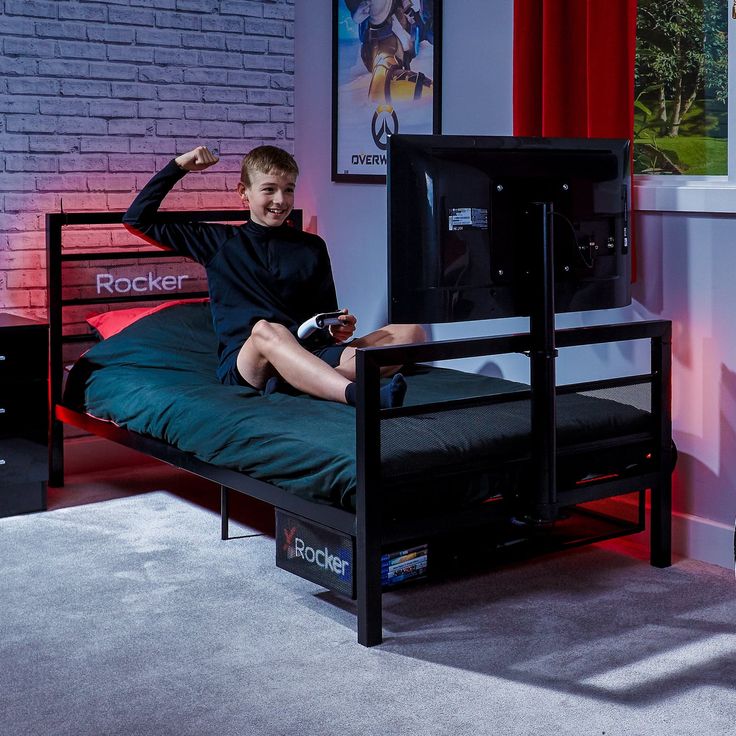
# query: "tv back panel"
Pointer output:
{"type": "Point", "coordinates": [463, 241]}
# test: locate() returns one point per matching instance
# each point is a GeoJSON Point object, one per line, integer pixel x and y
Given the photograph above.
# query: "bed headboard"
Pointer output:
{"type": "Point", "coordinates": [94, 265]}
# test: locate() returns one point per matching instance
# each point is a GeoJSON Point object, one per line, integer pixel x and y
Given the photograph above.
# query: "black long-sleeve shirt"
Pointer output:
{"type": "Point", "coordinates": [254, 272]}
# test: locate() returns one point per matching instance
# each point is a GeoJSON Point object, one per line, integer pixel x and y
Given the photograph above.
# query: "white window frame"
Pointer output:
{"type": "Point", "coordinates": [706, 194]}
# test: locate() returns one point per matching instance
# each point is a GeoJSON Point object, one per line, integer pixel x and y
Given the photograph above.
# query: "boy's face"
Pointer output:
{"type": "Point", "coordinates": [269, 196]}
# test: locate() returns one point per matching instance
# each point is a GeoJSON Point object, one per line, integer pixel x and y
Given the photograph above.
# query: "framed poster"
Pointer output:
{"type": "Point", "coordinates": [385, 79]}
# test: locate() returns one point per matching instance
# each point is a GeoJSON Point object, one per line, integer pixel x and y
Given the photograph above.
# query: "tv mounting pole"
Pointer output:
{"type": "Point", "coordinates": [543, 355]}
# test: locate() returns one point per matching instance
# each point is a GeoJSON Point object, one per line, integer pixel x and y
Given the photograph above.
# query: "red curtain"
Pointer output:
{"type": "Point", "coordinates": [574, 71]}
{"type": "Point", "coordinates": [574, 68]}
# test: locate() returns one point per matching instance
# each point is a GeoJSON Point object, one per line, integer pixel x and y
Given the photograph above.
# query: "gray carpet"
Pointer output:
{"type": "Point", "coordinates": [132, 617]}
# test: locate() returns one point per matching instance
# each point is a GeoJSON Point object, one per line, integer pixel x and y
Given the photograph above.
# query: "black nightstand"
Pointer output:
{"type": "Point", "coordinates": [23, 415]}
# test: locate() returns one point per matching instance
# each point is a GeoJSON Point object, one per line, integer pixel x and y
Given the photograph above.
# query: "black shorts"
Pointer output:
{"type": "Point", "coordinates": [330, 355]}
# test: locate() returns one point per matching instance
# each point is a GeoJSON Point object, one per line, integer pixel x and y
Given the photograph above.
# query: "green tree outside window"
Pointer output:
{"type": "Point", "coordinates": [681, 83]}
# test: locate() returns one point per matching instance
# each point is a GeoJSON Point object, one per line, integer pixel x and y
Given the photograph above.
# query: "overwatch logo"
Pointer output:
{"type": "Point", "coordinates": [385, 123]}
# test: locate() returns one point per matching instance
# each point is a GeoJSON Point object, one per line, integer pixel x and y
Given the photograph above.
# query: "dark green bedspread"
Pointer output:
{"type": "Point", "coordinates": [157, 377]}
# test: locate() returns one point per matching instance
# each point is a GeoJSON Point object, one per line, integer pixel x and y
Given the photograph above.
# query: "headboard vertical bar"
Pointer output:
{"type": "Point", "coordinates": [54, 223]}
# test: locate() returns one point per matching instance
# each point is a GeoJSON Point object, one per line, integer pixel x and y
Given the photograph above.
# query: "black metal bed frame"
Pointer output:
{"type": "Point", "coordinates": [369, 527]}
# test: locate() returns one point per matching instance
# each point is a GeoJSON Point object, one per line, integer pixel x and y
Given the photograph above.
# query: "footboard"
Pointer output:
{"type": "Point", "coordinates": [372, 529]}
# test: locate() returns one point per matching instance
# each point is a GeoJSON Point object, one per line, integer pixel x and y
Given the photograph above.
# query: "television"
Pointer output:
{"type": "Point", "coordinates": [464, 234]}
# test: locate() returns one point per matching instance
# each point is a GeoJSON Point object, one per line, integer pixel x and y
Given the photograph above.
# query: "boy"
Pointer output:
{"type": "Point", "coordinates": [266, 278]}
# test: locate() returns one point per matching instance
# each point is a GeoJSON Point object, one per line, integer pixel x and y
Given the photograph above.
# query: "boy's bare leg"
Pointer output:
{"type": "Point", "coordinates": [388, 335]}
{"type": "Point", "coordinates": [271, 349]}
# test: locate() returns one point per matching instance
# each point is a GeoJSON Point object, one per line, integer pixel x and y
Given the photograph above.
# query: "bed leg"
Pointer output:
{"type": "Point", "coordinates": [368, 516]}
{"type": "Point", "coordinates": [224, 513]}
{"type": "Point", "coordinates": [368, 582]}
{"type": "Point", "coordinates": [56, 454]}
{"type": "Point", "coordinates": [660, 538]}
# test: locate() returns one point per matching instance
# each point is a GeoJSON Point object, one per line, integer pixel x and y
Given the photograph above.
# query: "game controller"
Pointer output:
{"type": "Point", "coordinates": [318, 322]}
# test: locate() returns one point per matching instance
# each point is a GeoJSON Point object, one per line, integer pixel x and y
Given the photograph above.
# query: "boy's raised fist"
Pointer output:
{"type": "Point", "coordinates": [197, 160]}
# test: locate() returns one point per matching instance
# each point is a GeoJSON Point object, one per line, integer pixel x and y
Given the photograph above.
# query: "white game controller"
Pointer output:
{"type": "Point", "coordinates": [318, 322]}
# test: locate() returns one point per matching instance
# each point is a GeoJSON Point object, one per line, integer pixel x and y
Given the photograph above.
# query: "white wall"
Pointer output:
{"type": "Point", "coordinates": [352, 217]}
{"type": "Point", "coordinates": [686, 262]}
{"type": "Point", "coordinates": [687, 275]}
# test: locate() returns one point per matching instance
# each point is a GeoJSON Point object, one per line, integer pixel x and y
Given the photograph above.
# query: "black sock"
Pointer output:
{"type": "Point", "coordinates": [350, 393]}
{"type": "Point", "coordinates": [391, 395]}
{"type": "Point", "coordinates": [276, 384]}
{"type": "Point", "coordinates": [272, 386]}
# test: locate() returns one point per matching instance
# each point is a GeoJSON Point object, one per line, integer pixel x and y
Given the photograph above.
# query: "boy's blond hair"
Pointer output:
{"type": "Point", "coordinates": [264, 160]}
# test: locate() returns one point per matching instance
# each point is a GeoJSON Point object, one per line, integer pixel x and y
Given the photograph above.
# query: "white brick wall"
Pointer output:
{"type": "Point", "coordinates": [96, 96]}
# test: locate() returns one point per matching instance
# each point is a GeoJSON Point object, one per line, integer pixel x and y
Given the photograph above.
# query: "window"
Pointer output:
{"type": "Point", "coordinates": [681, 120]}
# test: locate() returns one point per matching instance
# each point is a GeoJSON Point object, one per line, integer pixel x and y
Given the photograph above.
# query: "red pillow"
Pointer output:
{"type": "Point", "coordinates": [107, 324]}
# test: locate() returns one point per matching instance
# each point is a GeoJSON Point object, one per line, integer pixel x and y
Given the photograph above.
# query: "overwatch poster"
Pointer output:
{"type": "Point", "coordinates": [384, 80]}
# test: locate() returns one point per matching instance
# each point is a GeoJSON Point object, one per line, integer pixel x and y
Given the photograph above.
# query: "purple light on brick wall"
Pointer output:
{"type": "Point", "coordinates": [95, 97]}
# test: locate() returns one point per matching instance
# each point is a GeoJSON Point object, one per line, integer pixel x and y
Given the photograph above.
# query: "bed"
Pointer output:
{"type": "Point", "coordinates": [457, 456]}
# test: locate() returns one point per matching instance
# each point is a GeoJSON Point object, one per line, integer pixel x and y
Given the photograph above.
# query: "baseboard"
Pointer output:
{"type": "Point", "coordinates": [703, 539]}
{"type": "Point", "coordinates": [693, 537]}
